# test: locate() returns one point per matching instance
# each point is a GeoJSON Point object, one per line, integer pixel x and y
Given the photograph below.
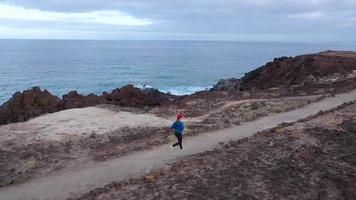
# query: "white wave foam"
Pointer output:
{"type": "Point", "coordinates": [143, 86]}
{"type": "Point", "coordinates": [183, 90]}
{"type": "Point", "coordinates": [178, 90]}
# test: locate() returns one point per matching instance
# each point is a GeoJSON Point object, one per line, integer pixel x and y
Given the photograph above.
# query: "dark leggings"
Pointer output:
{"type": "Point", "coordinates": [180, 138]}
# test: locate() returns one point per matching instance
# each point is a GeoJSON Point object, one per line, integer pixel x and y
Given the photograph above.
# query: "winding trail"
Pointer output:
{"type": "Point", "coordinates": [239, 102]}
{"type": "Point", "coordinates": [66, 183]}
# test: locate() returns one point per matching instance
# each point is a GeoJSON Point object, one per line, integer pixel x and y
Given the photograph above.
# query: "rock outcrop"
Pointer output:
{"type": "Point", "coordinates": [155, 97]}
{"type": "Point", "coordinates": [312, 69]}
{"type": "Point", "coordinates": [75, 100]}
{"type": "Point", "coordinates": [227, 84]}
{"type": "Point", "coordinates": [128, 96]}
{"type": "Point", "coordinates": [27, 104]}
{"type": "Point", "coordinates": [135, 97]}
{"type": "Point", "coordinates": [34, 102]}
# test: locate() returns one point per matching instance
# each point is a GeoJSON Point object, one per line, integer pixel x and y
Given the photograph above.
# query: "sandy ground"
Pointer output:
{"type": "Point", "coordinates": [79, 122]}
{"type": "Point", "coordinates": [59, 186]}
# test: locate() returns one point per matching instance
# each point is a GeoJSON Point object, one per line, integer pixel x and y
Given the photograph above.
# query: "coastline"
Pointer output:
{"type": "Point", "coordinates": [42, 135]}
{"type": "Point", "coordinates": [94, 67]}
{"type": "Point", "coordinates": [309, 74]}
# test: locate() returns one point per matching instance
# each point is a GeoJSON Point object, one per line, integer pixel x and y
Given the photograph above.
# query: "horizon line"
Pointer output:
{"type": "Point", "coordinates": [179, 40]}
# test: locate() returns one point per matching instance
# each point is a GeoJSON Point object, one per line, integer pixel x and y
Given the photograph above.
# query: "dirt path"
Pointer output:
{"type": "Point", "coordinates": [66, 183]}
{"type": "Point", "coordinates": [235, 103]}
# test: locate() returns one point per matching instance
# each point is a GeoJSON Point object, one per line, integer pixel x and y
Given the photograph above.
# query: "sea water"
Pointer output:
{"type": "Point", "coordinates": [178, 67]}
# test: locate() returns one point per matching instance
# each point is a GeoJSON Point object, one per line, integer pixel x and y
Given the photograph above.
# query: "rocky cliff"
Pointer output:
{"type": "Point", "coordinates": [312, 69]}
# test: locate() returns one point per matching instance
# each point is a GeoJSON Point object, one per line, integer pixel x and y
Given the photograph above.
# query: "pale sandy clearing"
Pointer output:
{"type": "Point", "coordinates": [81, 121]}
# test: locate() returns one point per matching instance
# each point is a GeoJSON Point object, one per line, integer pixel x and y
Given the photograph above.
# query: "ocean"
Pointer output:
{"type": "Point", "coordinates": [178, 67]}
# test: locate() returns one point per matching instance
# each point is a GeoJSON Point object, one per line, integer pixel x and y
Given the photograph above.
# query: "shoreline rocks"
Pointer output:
{"type": "Point", "coordinates": [75, 100]}
{"type": "Point", "coordinates": [325, 72]}
{"type": "Point", "coordinates": [29, 103]}
{"type": "Point", "coordinates": [35, 102]}
{"type": "Point", "coordinates": [134, 97]}
{"type": "Point", "coordinates": [309, 69]}
{"type": "Point", "coordinates": [230, 84]}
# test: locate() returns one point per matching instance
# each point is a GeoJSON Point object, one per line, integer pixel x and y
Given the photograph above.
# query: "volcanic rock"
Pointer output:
{"type": "Point", "coordinates": [155, 97]}
{"type": "Point", "coordinates": [75, 100]}
{"type": "Point", "coordinates": [34, 102]}
{"type": "Point", "coordinates": [310, 69]}
{"type": "Point", "coordinates": [30, 103]}
{"type": "Point", "coordinates": [227, 84]}
{"type": "Point", "coordinates": [128, 96]}
{"type": "Point", "coordinates": [134, 97]}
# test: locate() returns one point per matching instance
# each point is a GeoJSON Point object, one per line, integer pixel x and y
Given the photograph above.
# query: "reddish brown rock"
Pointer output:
{"type": "Point", "coordinates": [128, 96]}
{"type": "Point", "coordinates": [134, 97]}
{"type": "Point", "coordinates": [75, 100]}
{"type": "Point", "coordinates": [34, 102]}
{"type": "Point", "coordinates": [30, 103]}
{"type": "Point", "coordinates": [310, 69]}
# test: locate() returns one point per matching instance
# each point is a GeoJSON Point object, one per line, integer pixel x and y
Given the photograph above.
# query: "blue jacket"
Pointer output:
{"type": "Point", "coordinates": [178, 127]}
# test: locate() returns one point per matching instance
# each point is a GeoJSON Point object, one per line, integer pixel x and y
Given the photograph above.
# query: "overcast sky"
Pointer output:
{"type": "Point", "coordinates": [252, 20]}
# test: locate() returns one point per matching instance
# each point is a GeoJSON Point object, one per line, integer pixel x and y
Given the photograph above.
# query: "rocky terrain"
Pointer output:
{"type": "Point", "coordinates": [31, 148]}
{"type": "Point", "coordinates": [311, 159]}
{"type": "Point", "coordinates": [311, 73]}
{"type": "Point", "coordinates": [33, 154]}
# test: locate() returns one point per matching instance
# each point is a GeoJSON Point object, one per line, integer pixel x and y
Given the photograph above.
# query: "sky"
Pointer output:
{"type": "Point", "coordinates": [238, 20]}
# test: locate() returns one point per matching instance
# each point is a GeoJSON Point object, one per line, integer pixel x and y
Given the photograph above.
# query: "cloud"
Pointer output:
{"type": "Point", "coordinates": [307, 15]}
{"type": "Point", "coordinates": [162, 19]}
{"type": "Point", "coordinates": [259, 2]}
{"type": "Point", "coordinates": [351, 22]}
{"type": "Point", "coordinates": [110, 17]}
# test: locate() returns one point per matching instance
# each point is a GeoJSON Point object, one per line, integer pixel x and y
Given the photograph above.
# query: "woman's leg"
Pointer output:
{"type": "Point", "coordinates": [177, 143]}
{"type": "Point", "coordinates": [180, 138]}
